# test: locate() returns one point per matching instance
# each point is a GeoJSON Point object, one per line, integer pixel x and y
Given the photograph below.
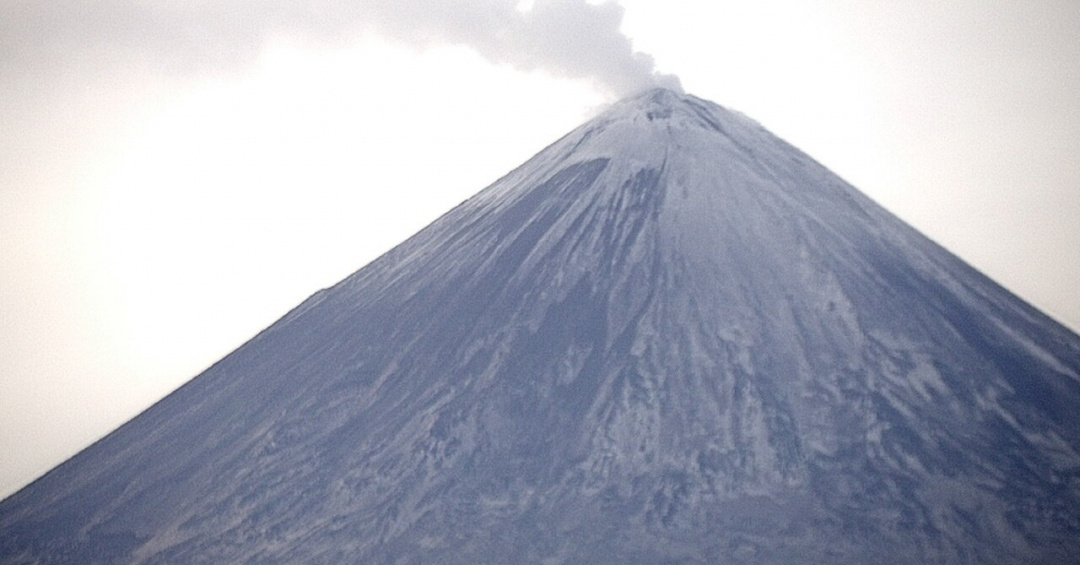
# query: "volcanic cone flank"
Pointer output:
{"type": "Point", "coordinates": [668, 337]}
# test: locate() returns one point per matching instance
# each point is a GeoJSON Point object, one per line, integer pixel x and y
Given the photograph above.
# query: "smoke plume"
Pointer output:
{"type": "Point", "coordinates": [566, 38]}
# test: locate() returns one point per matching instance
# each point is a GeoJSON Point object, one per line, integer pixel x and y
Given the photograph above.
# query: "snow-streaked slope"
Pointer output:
{"type": "Point", "coordinates": [669, 337]}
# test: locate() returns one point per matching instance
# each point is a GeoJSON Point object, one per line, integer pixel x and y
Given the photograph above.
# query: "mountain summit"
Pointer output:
{"type": "Point", "coordinates": [668, 337]}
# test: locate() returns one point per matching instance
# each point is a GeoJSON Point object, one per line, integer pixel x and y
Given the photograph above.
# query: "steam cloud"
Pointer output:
{"type": "Point", "coordinates": [566, 38]}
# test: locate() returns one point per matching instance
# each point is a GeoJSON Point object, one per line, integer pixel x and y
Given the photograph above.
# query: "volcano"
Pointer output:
{"type": "Point", "coordinates": [669, 337]}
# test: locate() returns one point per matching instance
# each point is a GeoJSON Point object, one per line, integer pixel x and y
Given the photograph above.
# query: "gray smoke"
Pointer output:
{"type": "Point", "coordinates": [566, 38]}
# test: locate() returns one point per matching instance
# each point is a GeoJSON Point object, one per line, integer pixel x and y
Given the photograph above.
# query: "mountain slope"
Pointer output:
{"type": "Point", "coordinates": [669, 336]}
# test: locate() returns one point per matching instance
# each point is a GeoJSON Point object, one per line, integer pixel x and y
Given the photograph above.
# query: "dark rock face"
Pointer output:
{"type": "Point", "coordinates": [669, 337]}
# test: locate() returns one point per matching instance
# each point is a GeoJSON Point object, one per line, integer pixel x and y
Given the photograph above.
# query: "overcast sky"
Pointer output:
{"type": "Point", "coordinates": [174, 176]}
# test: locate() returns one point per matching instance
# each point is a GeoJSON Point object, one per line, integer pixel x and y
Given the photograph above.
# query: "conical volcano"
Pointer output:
{"type": "Point", "coordinates": [668, 337]}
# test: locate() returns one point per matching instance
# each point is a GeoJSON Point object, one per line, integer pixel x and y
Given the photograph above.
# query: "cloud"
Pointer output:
{"type": "Point", "coordinates": [566, 38]}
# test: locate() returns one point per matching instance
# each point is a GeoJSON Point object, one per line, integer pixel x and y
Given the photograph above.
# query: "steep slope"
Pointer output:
{"type": "Point", "coordinates": [669, 336]}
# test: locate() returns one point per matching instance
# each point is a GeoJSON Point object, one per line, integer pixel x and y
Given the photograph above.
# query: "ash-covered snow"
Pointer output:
{"type": "Point", "coordinates": [669, 337]}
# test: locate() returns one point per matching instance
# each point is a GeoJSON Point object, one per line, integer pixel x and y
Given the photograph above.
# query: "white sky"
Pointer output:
{"type": "Point", "coordinates": [159, 205]}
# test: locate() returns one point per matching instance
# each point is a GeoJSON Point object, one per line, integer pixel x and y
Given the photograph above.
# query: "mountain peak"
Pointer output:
{"type": "Point", "coordinates": [668, 337]}
{"type": "Point", "coordinates": [670, 108]}
{"type": "Point", "coordinates": [659, 96]}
